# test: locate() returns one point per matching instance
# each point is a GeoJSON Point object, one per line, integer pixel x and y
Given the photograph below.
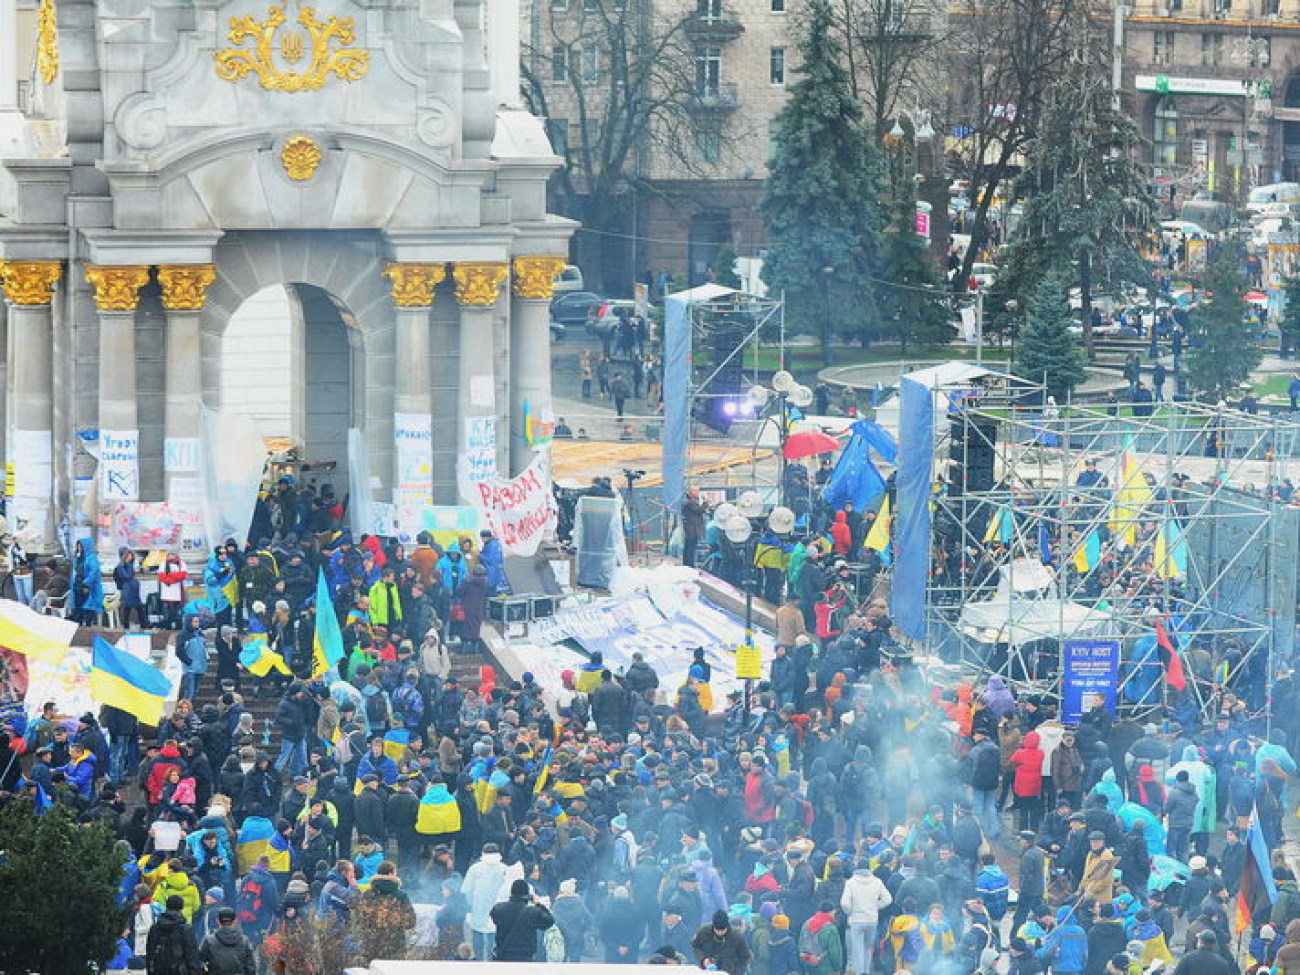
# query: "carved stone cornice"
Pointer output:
{"type": "Point", "coordinates": [534, 277]}
{"type": "Point", "coordinates": [117, 287]}
{"type": "Point", "coordinates": [478, 282]}
{"type": "Point", "coordinates": [184, 286]}
{"type": "Point", "coordinates": [30, 282]}
{"type": "Point", "coordinates": [412, 285]}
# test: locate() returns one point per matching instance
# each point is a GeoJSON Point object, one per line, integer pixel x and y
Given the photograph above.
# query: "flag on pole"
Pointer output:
{"type": "Point", "coordinates": [1170, 555]}
{"type": "Point", "coordinates": [1133, 493]}
{"type": "Point", "coordinates": [543, 772]}
{"type": "Point", "coordinates": [878, 537]}
{"type": "Point", "coordinates": [121, 681]}
{"type": "Point", "coordinates": [1045, 553]}
{"type": "Point", "coordinates": [1256, 893]}
{"type": "Point", "coordinates": [1173, 664]}
{"type": "Point", "coordinates": [33, 634]}
{"type": "Point", "coordinates": [1001, 526]}
{"type": "Point", "coordinates": [1088, 555]}
{"type": "Point", "coordinates": [327, 646]}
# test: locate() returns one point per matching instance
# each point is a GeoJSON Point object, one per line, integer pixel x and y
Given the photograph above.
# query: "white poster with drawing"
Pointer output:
{"type": "Point", "coordinates": [479, 461]}
{"type": "Point", "coordinates": [119, 465]}
{"type": "Point", "coordinates": [413, 446]}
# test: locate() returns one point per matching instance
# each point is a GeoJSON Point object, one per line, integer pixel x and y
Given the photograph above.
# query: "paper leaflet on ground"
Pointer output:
{"type": "Point", "coordinates": [68, 684]}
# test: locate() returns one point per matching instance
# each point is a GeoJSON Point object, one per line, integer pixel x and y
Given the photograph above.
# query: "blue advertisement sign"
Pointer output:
{"type": "Point", "coordinates": [1089, 668]}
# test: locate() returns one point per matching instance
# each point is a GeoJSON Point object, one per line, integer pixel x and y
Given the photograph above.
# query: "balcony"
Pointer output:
{"type": "Point", "coordinates": [712, 23]}
{"type": "Point", "coordinates": [721, 97]}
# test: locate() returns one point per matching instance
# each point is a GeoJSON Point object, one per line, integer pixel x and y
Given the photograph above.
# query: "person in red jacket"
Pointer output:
{"type": "Point", "coordinates": [759, 806]}
{"type": "Point", "coordinates": [842, 534]}
{"type": "Point", "coordinates": [1027, 786]}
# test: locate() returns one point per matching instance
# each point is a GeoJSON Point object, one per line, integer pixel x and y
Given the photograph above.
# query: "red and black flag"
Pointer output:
{"type": "Point", "coordinates": [1169, 657]}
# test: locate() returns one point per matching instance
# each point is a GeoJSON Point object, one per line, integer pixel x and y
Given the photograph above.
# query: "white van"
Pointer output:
{"type": "Point", "coordinates": [570, 279]}
{"type": "Point", "coordinates": [1261, 196]}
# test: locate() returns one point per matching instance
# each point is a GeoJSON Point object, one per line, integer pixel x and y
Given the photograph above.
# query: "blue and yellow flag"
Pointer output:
{"type": "Point", "coordinates": [490, 788]}
{"type": "Point", "coordinates": [1170, 556]}
{"type": "Point", "coordinates": [120, 680]}
{"type": "Point", "coordinates": [254, 841]}
{"type": "Point", "coordinates": [543, 773]}
{"type": "Point", "coordinates": [878, 538]}
{"type": "Point", "coordinates": [1001, 526]}
{"type": "Point", "coordinates": [257, 655]}
{"type": "Point", "coordinates": [1088, 555]}
{"type": "Point", "coordinates": [438, 812]}
{"type": "Point", "coordinates": [328, 644]}
{"type": "Point", "coordinates": [395, 743]}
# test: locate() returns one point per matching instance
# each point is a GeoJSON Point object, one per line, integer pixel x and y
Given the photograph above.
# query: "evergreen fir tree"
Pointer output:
{"type": "Point", "coordinates": [1087, 202]}
{"type": "Point", "coordinates": [912, 306]}
{"type": "Point", "coordinates": [1222, 352]}
{"type": "Point", "coordinates": [725, 267]}
{"type": "Point", "coordinates": [61, 915]}
{"type": "Point", "coordinates": [1289, 325]}
{"type": "Point", "coordinates": [821, 202]}
{"type": "Point", "coordinates": [1046, 351]}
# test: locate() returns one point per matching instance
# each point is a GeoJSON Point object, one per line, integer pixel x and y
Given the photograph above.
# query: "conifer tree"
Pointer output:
{"type": "Point", "coordinates": [1046, 351]}
{"type": "Point", "coordinates": [1222, 352]}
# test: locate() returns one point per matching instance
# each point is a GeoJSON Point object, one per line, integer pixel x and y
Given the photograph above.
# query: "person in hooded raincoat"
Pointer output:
{"type": "Point", "coordinates": [87, 584]}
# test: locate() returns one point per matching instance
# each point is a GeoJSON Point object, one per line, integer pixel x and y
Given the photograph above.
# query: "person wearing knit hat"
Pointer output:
{"type": "Point", "coordinates": [518, 922]}
{"type": "Point", "coordinates": [780, 922]}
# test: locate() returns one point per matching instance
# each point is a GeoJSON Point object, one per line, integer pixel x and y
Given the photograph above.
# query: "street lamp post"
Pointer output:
{"type": "Point", "coordinates": [789, 392]}
{"type": "Point", "coordinates": [739, 529]}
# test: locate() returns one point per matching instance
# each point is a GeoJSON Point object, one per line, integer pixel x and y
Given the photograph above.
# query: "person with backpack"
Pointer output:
{"type": "Point", "coordinates": [518, 922]}
{"type": "Point", "coordinates": [226, 951]}
{"type": "Point", "coordinates": [820, 948]}
{"type": "Point", "coordinates": [258, 901]}
{"type": "Point", "coordinates": [170, 948]}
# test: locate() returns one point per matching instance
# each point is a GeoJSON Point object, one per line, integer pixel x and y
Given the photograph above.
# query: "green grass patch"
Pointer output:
{"type": "Point", "coordinates": [1275, 385]}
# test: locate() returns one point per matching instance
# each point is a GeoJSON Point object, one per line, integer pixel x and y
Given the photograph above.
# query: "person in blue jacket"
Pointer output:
{"type": "Point", "coordinates": [129, 602]}
{"type": "Point", "coordinates": [1066, 948]}
{"type": "Point", "coordinates": [492, 557]}
{"type": "Point", "coordinates": [80, 771]}
{"type": "Point", "coordinates": [87, 585]}
{"type": "Point", "coordinates": [375, 762]}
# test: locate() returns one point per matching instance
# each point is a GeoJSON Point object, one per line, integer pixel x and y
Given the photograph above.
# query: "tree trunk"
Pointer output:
{"type": "Point", "coordinates": [1085, 304]}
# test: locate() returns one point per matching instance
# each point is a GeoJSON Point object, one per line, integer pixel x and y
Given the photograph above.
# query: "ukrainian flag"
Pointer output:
{"type": "Point", "coordinates": [438, 812]}
{"type": "Point", "coordinates": [396, 742]}
{"type": "Point", "coordinates": [254, 841]}
{"type": "Point", "coordinates": [120, 680]}
{"type": "Point", "coordinates": [28, 632]}
{"type": "Point", "coordinates": [1134, 492]}
{"type": "Point", "coordinates": [257, 655]}
{"type": "Point", "coordinates": [878, 537]}
{"type": "Point", "coordinates": [1088, 554]}
{"type": "Point", "coordinates": [1001, 526]}
{"type": "Point", "coordinates": [491, 788]}
{"type": "Point", "coordinates": [544, 772]}
{"type": "Point", "coordinates": [328, 644]}
{"type": "Point", "coordinates": [1170, 556]}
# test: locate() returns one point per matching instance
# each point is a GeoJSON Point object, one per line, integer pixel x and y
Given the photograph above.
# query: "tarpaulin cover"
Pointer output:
{"type": "Point", "coordinates": [912, 534]}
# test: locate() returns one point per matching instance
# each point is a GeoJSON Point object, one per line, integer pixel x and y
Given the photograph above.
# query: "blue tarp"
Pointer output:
{"type": "Point", "coordinates": [912, 534]}
{"type": "Point", "coordinates": [855, 477]}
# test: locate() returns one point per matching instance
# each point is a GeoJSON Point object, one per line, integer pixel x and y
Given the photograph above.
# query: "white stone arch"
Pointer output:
{"type": "Point", "coordinates": [347, 267]}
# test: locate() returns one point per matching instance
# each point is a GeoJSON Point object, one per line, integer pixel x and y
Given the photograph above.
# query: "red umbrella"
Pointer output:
{"type": "Point", "coordinates": [807, 443]}
{"type": "Point", "coordinates": [1254, 296]}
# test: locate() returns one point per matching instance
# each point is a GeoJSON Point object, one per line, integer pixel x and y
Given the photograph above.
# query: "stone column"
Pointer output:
{"type": "Point", "coordinates": [530, 353]}
{"type": "Point", "coordinates": [184, 289]}
{"type": "Point", "coordinates": [117, 292]}
{"type": "Point", "coordinates": [477, 285]}
{"type": "Point", "coordinates": [29, 287]}
{"type": "Point", "coordinates": [412, 287]}
{"type": "Point", "coordinates": [8, 55]}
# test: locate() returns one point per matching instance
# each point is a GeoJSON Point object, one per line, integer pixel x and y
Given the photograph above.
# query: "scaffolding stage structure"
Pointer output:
{"type": "Point", "coordinates": [1054, 524]}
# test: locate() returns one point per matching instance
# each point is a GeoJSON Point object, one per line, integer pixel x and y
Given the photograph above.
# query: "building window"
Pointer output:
{"type": "Point", "coordinates": [709, 11]}
{"type": "Point", "coordinates": [778, 6]}
{"type": "Point", "coordinates": [590, 65]}
{"type": "Point", "coordinates": [560, 5]}
{"type": "Point", "coordinates": [591, 5]}
{"type": "Point", "coordinates": [1211, 49]}
{"type": "Point", "coordinates": [1162, 51]}
{"type": "Point", "coordinates": [559, 63]}
{"type": "Point", "coordinates": [1271, 8]}
{"type": "Point", "coordinates": [1164, 136]}
{"type": "Point", "coordinates": [708, 143]}
{"type": "Point", "coordinates": [708, 73]}
{"type": "Point", "coordinates": [776, 66]}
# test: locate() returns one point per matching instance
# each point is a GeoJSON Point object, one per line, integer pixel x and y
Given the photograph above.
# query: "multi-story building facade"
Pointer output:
{"type": "Point", "coordinates": [1216, 91]}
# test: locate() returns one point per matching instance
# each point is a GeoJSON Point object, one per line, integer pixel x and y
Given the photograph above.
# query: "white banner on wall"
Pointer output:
{"type": "Point", "coordinates": [181, 455]}
{"type": "Point", "coordinates": [519, 510]}
{"type": "Point", "coordinates": [413, 444]}
{"type": "Point", "coordinates": [479, 461]}
{"type": "Point", "coordinates": [119, 466]}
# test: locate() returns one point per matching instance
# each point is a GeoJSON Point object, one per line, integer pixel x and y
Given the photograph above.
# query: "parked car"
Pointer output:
{"type": "Point", "coordinates": [570, 309]}
{"type": "Point", "coordinates": [603, 317]}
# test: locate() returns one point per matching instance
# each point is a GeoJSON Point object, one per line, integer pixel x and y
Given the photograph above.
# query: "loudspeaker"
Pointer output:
{"type": "Point", "coordinates": [510, 609]}
{"type": "Point", "coordinates": [971, 448]}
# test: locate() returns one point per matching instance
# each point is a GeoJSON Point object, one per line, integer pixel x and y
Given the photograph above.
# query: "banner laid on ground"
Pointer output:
{"type": "Point", "coordinates": [521, 510]}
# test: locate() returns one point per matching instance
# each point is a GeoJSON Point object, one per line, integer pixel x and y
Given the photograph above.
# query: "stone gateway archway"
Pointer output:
{"type": "Point", "coordinates": [170, 168]}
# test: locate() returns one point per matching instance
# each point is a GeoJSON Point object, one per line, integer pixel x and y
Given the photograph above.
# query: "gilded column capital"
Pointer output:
{"type": "Point", "coordinates": [184, 286]}
{"type": "Point", "coordinates": [117, 287]}
{"type": "Point", "coordinates": [30, 282]}
{"type": "Point", "coordinates": [477, 282]}
{"type": "Point", "coordinates": [412, 285]}
{"type": "Point", "coordinates": [534, 277]}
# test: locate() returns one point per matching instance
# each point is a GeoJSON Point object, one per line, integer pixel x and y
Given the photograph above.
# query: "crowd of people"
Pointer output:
{"type": "Point", "coordinates": [856, 814]}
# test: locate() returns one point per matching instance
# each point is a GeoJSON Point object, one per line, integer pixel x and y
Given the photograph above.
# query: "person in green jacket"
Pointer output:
{"type": "Point", "coordinates": [820, 948]}
{"type": "Point", "coordinates": [386, 602]}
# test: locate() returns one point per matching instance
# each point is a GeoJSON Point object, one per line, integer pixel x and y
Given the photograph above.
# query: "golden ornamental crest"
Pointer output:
{"type": "Point", "coordinates": [47, 42]}
{"type": "Point", "coordinates": [300, 156]}
{"type": "Point", "coordinates": [234, 64]}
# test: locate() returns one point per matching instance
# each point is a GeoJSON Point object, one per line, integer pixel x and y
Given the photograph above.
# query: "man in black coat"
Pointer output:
{"type": "Point", "coordinates": [608, 705]}
{"type": "Point", "coordinates": [1106, 938]}
{"type": "Point", "coordinates": [718, 945]}
{"type": "Point", "coordinates": [984, 773]}
{"type": "Point", "coordinates": [370, 810]}
{"type": "Point", "coordinates": [1033, 878]}
{"type": "Point", "coordinates": [518, 922]}
{"type": "Point", "coordinates": [1206, 959]}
